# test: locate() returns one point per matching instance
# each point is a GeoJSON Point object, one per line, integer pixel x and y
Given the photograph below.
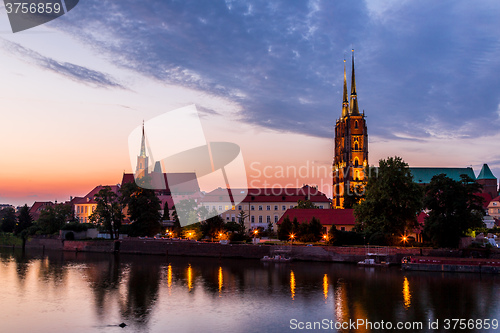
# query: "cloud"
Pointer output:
{"type": "Point", "coordinates": [73, 72]}
{"type": "Point", "coordinates": [423, 68]}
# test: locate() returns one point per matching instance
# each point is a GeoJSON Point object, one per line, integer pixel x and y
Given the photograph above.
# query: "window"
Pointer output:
{"type": "Point", "coordinates": [356, 124]}
{"type": "Point", "coordinates": [220, 207]}
{"type": "Point", "coordinates": [207, 208]}
{"type": "Point", "coordinates": [268, 218]}
{"type": "Point", "coordinates": [283, 207]}
{"type": "Point", "coordinates": [227, 207]}
{"type": "Point", "coordinates": [291, 206]}
{"type": "Point", "coordinates": [320, 206]}
{"type": "Point", "coordinates": [276, 218]}
{"type": "Point", "coordinates": [260, 219]}
{"type": "Point", "coordinates": [232, 207]}
{"type": "Point", "coordinates": [85, 212]}
{"type": "Point", "coordinates": [276, 207]}
{"type": "Point", "coordinates": [252, 207]}
{"type": "Point", "coordinates": [260, 207]}
{"type": "Point", "coordinates": [252, 219]}
{"type": "Point", "coordinates": [240, 207]}
{"type": "Point", "coordinates": [227, 217]}
{"type": "Point", "coordinates": [268, 207]}
{"type": "Point", "coordinates": [356, 162]}
{"type": "Point", "coordinates": [342, 228]}
{"type": "Point", "coordinates": [494, 203]}
{"type": "Point", "coordinates": [356, 146]}
{"type": "Point", "coordinates": [233, 218]}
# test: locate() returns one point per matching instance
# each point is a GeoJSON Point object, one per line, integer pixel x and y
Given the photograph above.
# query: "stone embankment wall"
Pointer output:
{"type": "Point", "coordinates": [191, 248]}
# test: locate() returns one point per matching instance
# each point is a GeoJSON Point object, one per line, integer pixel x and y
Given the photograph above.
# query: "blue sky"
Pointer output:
{"type": "Point", "coordinates": [426, 71]}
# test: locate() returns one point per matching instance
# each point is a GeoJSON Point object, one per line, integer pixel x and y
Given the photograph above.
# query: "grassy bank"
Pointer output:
{"type": "Point", "coordinates": [8, 239]}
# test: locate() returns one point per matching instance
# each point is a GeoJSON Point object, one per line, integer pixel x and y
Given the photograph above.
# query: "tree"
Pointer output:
{"type": "Point", "coordinates": [25, 221]}
{"type": "Point", "coordinates": [108, 211]}
{"type": "Point", "coordinates": [8, 219]}
{"type": "Point", "coordinates": [305, 204]}
{"type": "Point", "coordinates": [454, 208]}
{"type": "Point", "coordinates": [143, 208]}
{"type": "Point", "coordinates": [241, 221]}
{"type": "Point", "coordinates": [392, 200]}
{"type": "Point", "coordinates": [212, 226]}
{"type": "Point", "coordinates": [53, 218]}
{"type": "Point", "coordinates": [285, 229]}
{"type": "Point", "coordinates": [355, 195]}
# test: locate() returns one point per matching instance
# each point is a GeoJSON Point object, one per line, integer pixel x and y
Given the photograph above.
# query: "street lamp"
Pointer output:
{"type": "Point", "coordinates": [404, 239]}
{"type": "Point", "coordinates": [292, 236]}
{"type": "Point", "coordinates": [255, 232]}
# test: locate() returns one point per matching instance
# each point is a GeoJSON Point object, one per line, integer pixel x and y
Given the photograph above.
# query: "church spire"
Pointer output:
{"type": "Point", "coordinates": [345, 100]}
{"type": "Point", "coordinates": [143, 142]}
{"type": "Point", "coordinates": [354, 97]}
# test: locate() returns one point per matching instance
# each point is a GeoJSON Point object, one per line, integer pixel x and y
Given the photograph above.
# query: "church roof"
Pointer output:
{"type": "Point", "coordinates": [486, 173]}
{"type": "Point", "coordinates": [423, 175]}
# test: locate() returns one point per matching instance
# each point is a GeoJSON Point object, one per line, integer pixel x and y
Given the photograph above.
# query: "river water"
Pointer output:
{"type": "Point", "coordinates": [81, 292]}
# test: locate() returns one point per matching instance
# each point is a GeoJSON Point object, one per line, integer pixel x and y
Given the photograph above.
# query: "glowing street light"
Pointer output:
{"type": "Point", "coordinates": [292, 236]}
{"type": "Point", "coordinates": [255, 232]}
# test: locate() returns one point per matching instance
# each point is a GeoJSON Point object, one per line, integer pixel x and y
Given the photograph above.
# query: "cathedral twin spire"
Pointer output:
{"type": "Point", "coordinates": [350, 107]}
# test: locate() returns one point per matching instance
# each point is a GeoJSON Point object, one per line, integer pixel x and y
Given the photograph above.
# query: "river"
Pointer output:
{"type": "Point", "coordinates": [83, 292]}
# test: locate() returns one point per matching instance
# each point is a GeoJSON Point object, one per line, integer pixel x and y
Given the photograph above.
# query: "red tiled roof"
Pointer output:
{"type": "Point", "coordinates": [325, 216]}
{"type": "Point", "coordinates": [89, 198]}
{"type": "Point", "coordinates": [486, 197]}
{"type": "Point", "coordinates": [39, 205]}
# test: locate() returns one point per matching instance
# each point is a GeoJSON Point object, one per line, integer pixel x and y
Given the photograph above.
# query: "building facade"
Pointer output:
{"type": "Point", "coordinates": [351, 146]}
{"type": "Point", "coordinates": [261, 206]}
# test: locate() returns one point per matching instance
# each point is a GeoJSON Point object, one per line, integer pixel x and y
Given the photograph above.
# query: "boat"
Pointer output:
{"type": "Point", "coordinates": [276, 258]}
{"type": "Point", "coordinates": [370, 262]}
{"type": "Point", "coordinates": [459, 265]}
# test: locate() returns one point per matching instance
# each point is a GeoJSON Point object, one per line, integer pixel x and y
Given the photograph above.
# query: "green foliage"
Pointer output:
{"type": "Point", "coordinates": [108, 211]}
{"type": "Point", "coordinates": [212, 227]}
{"type": "Point", "coordinates": [305, 204]}
{"type": "Point", "coordinates": [305, 232]}
{"type": "Point", "coordinates": [9, 239]}
{"type": "Point", "coordinates": [310, 232]}
{"type": "Point", "coordinates": [340, 238]}
{"type": "Point", "coordinates": [8, 219]}
{"type": "Point", "coordinates": [143, 209]}
{"type": "Point", "coordinates": [53, 218]}
{"type": "Point", "coordinates": [285, 229]}
{"type": "Point", "coordinates": [241, 221]}
{"type": "Point", "coordinates": [454, 208]}
{"type": "Point", "coordinates": [354, 196]}
{"type": "Point", "coordinates": [24, 221]}
{"type": "Point", "coordinates": [77, 227]}
{"type": "Point", "coordinates": [392, 200]}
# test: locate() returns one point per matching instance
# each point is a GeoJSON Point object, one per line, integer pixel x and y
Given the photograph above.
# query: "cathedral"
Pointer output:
{"type": "Point", "coordinates": [351, 146]}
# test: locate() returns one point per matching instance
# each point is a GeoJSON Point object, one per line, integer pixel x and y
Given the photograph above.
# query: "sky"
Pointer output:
{"type": "Point", "coordinates": [266, 75]}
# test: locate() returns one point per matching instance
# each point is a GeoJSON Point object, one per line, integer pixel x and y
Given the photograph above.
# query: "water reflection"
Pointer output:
{"type": "Point", "coordinates": [151, 293]}
{"type": "Point", "coordinates": [221, 280]}
{"type": "Point", "coordinates": [406, 293]}
{"type": "Point", "coordinates": [325, 286]}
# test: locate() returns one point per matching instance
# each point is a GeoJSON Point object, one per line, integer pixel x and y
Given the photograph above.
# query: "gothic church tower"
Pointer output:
{"type": "Point", "coordinates": [351, 146]}
{"type": "Point", "coordinates": [141, 169]}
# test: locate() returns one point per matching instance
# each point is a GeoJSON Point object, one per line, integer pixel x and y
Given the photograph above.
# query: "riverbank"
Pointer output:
{"type": "Point", "coordinates": [168, 247]}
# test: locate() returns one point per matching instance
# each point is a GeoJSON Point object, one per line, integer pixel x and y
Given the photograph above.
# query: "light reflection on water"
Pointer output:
{"type": "Point", "coordinates": [79, 292]}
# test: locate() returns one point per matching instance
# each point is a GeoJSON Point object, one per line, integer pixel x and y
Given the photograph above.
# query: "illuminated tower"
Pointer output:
{"type": "Point", "coordinates": [141, 169]}
{"type": "Point", "coordinates": [351, 146]}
